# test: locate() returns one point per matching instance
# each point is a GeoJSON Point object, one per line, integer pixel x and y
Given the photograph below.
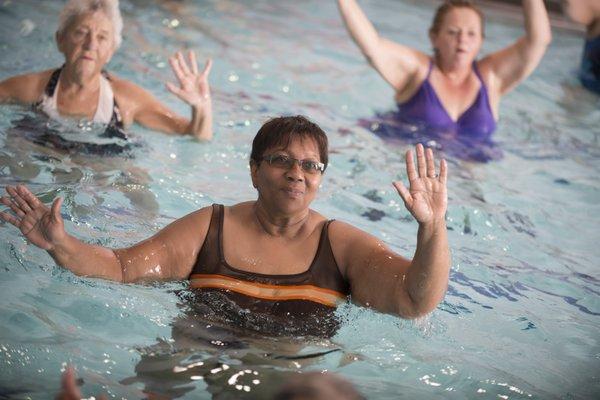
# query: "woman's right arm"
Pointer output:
{"type": "Point", "coordinates": [170, 254]}
{"type": "Point", "coordinates": [397, 64]}
{"type": "Point", "coordinates": [24, 89]}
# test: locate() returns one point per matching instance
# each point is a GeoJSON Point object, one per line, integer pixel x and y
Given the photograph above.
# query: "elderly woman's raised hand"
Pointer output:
{"type": "Point", "coordinates": [193, 86]}
{"type": "Point", "coordinates": [41, 225]}
{"type": "Point", "coordinates": [426, 198]}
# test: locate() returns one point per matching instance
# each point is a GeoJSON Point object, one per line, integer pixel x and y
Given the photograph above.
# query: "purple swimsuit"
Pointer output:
{"type": "Point", "coordinates": [425, 110]}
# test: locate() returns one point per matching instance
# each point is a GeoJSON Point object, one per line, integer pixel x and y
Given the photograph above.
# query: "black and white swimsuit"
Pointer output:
{"type": "Point", "coordinates": [107, 110]}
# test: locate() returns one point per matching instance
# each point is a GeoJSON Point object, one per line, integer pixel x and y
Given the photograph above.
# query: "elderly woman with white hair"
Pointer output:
{"type": "Point", "coordinates": [89, 32]}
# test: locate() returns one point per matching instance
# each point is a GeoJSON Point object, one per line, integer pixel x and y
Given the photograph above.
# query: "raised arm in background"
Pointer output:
{"type": "Point", "coordinates": [193, 89]}
{"type": "Point", "coordinates": [396, 63]}
{"type": "Point", "coordinates": [506, 68]}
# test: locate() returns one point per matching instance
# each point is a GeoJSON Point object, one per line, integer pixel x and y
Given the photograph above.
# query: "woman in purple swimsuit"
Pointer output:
{"type": "Point", "coordinates": [450, 94]}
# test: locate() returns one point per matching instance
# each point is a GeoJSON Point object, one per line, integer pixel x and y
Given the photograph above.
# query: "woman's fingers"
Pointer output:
{"type": "Point", "coordinates": [404, 193]}
{"type": "Point", "coordinates": [425, 165]}
{"type": "Point", "coordinates": [410, 167]}
{"type": "Point", "coordinates": [430, 163]}
{"type": "Point", "coordinates": [55, 211]}
{"type": "Point", "coordinates": [32, 201]}
{"type": "Point", "coordinates": [176, 69]}
{"type": "Point", "coordinates": [7, 201]}
{"type": "Point", "coordinates": [182, 63]}
{"type": "Point", "coordinates": [194, 64]}
{"type": "Point", "coordinates": [443, 172]}
{"type": "Point", "coordinates": [187, 75]}
{"type": "Point", "coordinates": [16, 198]}
{"type": "Point", "coordinates": [9, 218]}
{"type": "Point", "coordinates": [24, 204]}
{"type": "Point", "coordinates": [421, 163]}
{"type": "Point", "coordinates": [173, 89]}
{"type": "Point", "coordinates": [207, 68]}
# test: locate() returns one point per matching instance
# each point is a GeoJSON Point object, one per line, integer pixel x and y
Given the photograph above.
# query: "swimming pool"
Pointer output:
{"type": "Point", "coordinates": [522, 312]}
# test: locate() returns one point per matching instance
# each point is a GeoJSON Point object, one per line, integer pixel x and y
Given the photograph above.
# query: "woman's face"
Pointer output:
{"type": "Point", "coordinates": [88, 43]}
{"type": "Point", "coordinates": [459, 38]}
{"type": "Point", "coordinates": [288, 190]}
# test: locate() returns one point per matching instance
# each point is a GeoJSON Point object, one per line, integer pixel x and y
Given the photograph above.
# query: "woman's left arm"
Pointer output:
{"type": "Point", "coordinates": [509, 66]}
{"type": "Point", "coordinates": [386, 281]}
{"type": "Point", "coordinates": [193, 88]}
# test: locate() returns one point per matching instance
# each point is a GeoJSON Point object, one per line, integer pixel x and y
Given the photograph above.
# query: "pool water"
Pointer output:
{"type": "Point", "coordinates": [522, 314]}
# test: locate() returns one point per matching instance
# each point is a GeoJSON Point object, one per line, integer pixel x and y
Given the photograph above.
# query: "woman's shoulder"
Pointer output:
{"type": "Point", "coordinates": [485, 67]}
{"type": "Point", "coordinates": [26, 88]}
{"type": "Point", "coordinates": [126, 89]}
{"type": "Point", "coordinates": [347, 238]}
{"type": "Point", "coordinates": [190, 228]}
{"type": "Point", "coordinates": [415, 77]}
{"type": "Point", "coordinates": [349, 243]}
{"type": "Point", "coordinates": [130, 96]}
{"type": "Point", "coordinates": [343, 231]}
{"type": "Point", "coordinates": [240, 208]}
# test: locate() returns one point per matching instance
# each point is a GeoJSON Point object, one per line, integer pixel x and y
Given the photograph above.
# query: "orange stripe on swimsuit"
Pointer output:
{"type": "Point", "coordinates": [313, 293]}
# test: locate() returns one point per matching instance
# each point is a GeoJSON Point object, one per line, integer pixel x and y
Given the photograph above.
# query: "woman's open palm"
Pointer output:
{"type": "Point", "coordinates": [193, 85]}
{"type": "Point", "coordinates": [41, 225]}
{"type": "Point", "coordinates": [427, 197]}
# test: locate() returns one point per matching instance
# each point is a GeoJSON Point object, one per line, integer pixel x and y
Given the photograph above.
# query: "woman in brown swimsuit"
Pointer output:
{"type": "Point", "coordinates": [273, 255]}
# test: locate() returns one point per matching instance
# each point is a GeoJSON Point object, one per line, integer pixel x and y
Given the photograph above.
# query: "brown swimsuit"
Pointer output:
{"type": "Point", "coordinates": [297, 304]}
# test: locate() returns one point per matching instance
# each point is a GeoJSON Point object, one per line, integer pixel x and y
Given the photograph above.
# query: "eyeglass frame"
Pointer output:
{"type": "Point", "coordinates": [320, 165]}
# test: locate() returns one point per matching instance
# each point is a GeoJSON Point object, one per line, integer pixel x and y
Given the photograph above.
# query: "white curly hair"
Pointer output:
{"type": "Point", "coordinates": [75, 8]}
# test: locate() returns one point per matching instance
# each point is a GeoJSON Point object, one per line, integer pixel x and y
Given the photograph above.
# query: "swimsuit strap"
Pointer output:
{"type": "Point", "coordinates": [430, 69]}
{"type": "Point", "coordinates": [50, 88]}
{"type": "Point", "coordinates": [483, 86]}
{"type": "Point", "coordinates": [47, 101]}
{"type": "Point", "coordinates": [478, 74]}
{"type": "Point", "coordinates": [53, 82]}
{"type": "Point", "coordinates": [219, 213]}
{"type": "Point", "coordinates": [483, 90]}
{"type": "Point", "coordinates": [116, 119]}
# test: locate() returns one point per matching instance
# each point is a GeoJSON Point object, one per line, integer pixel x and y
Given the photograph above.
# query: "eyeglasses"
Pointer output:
{"type": "Point", "coordinates": [283, 161]}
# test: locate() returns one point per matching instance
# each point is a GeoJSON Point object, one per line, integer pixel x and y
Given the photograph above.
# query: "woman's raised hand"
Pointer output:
{"type": "Point", "coordinates": [426, 198]}
{"type": "Point", "coordinates": [193, 86]}
{"type": "Point", "coordinates": [41, 225]}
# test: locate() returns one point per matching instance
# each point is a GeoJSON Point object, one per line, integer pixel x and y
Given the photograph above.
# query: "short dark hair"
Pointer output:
{"type": "Point", "coordinates": [280, 131]}
{"type": "Point", "coordinates": [448, 6]}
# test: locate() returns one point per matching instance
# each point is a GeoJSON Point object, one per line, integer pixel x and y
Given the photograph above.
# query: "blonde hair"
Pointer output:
{"type": "Point", "coordinates": [448, 6]}
{"type": "Point", "coordinates": [76, 8]}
